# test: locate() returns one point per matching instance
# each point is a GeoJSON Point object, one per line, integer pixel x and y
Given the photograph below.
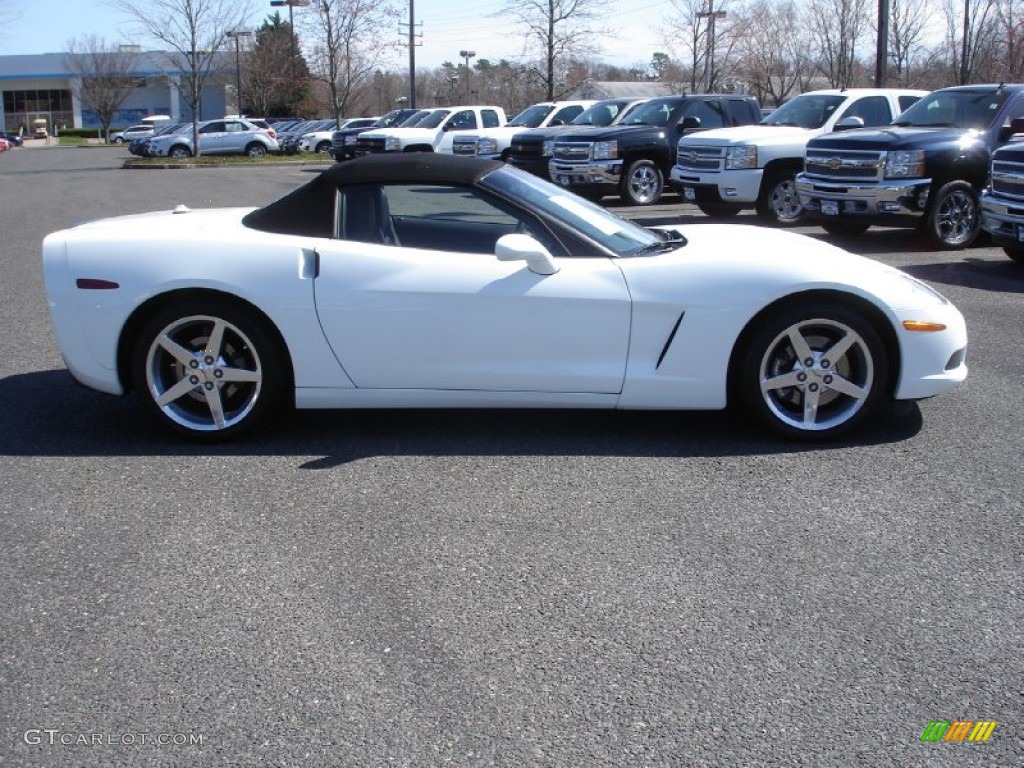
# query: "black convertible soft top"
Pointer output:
{"type": "Point", "coordinates": [309, 210]}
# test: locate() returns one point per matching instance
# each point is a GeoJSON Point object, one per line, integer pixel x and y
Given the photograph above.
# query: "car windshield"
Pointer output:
{"type": "Point", "coordinates": [601, 114]}
{"type": "Point", "coordinates": [809, 110]}
{"type": "Point", "coordinates": [434, 119]}
{"type": "Point", "coordinates": [971, 108]}
{"type": "Point", "coordinates": [391, 118]}
{"type": "Point", "coordinates": [414, 119]}
{"type": "Point", "coordinates": [654, 112]}
{"type": "Point", "coordinates": [531, 117]}
{"type": "Point", "coordinates": [624, 238]}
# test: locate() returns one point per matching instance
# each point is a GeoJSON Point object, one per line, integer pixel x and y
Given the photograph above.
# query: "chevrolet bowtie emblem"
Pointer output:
{"type": "Point", "coordinates": [691, 157]}
{"type": "Point", "coordinates": [833, 162]}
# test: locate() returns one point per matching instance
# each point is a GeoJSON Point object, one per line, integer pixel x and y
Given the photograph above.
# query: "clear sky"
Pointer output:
{"type": "Point", "coordinates": [46, 26]}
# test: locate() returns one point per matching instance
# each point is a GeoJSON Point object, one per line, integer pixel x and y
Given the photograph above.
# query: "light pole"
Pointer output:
{"type": "Point", "coordinates": [467, 55]}
{"type": "Point", "coordinates": [291, 31]}
{"type": "Point", "coordinates": [236, 35]}
{"type": "Point", "coordinates": [709, 58]}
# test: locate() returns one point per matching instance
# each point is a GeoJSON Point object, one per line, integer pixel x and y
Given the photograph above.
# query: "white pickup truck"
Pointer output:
{"type": "Point", "coordinates": [434, 133]}
{"type": "Point", "coordinates": [726, 170]}
{"type": "Point", "coordinates": [494, 143]}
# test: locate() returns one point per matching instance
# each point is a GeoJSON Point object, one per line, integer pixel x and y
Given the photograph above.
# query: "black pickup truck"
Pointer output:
{"type": "Point", "coordinates": [1002, 202]}
{"type": "Point", "coordinates": [926, 169]}
{"type": "Point", "coordinates": [634, 157]}
{"type": "Point", "coordinates": [343, 142]}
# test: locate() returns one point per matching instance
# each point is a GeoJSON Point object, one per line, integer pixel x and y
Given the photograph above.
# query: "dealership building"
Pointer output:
{"type": "Point", "coordinates": [42, 86]}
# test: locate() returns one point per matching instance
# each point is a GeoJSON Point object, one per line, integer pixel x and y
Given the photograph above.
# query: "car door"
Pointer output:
{"type": "Point", "coordinates": [463, 120]}
{"type": "Point", "coordinates": [211, 137]}
{"type": "Point", "coordinates": [411, 295]}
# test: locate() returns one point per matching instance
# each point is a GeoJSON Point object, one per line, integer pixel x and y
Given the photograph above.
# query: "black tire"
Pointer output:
{"type": "Point", "coordinates": [322, 147]}
{"type": "Point", "coordinates": [1017, 254]}
{"type": "Point", "coordinates": [243, 377]}
{"type": "Point", "coordinates": [779, 204]}
{"type": "Point", "coordinates": [255, 149]}
{"type": "Point", "coordinates": [642, 183]}
{"type": "Point", "coordinates": [720, 210]}
{"type": "Point", "coordinates": [813, 397]}
{"type": "Point", "coordinates": [179, 150]}
{"type": "Point", "coordinates": [953, 219]}
{"type": "Point", "coordinates": [119, 140]}
{"type": "Point", "coordinates": [844, 228]}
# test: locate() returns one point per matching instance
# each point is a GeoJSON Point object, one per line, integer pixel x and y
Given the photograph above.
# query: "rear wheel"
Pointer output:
{"type": "Point", "coordinates": [255, 149]}
{"type": "Point", "coordinates": [719, 210]}
{"type": "Point", "coordinates": [813, 372]}
{"type": "Point", "coordinates": [954, 217]}
{"type": "Point", "coordinates": [642, 183]}
{"type": "Point", "coordinates": [779, 203]}
{"type": "Point", "coordinates": [844, 228]}
{"type": "Point", "coordinates": [208, 370]}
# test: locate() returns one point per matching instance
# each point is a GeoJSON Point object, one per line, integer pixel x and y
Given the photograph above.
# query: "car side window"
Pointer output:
{"type": "Point", "coordinates": [873, 110]}
{"type": "Point", "coordinates": [567, 114]}
{"type": "Point", "coordinates": [234, 127]}
{"type": "Point", "coordinates": [217, 127]}
{"type": "Point", "coordinates": [490, 118]}
{"type": "Point", "coordinates": [462, 121]}
{"type": "Point", "coordinates": [907, 101]}
{"type": "Point", "coordinates": [708, 112]}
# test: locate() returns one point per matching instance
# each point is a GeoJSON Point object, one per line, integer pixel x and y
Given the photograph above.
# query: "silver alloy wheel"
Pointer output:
{"type": "Point", "coordinates": [816, 374]}
{"type": "Point", "coordinates": [785, 202]}
{"type": "Point", "coordinates": [203, 373]}
{"type": "Point", "coordinates": [644, 183]}
{"type": "Point", "coordinates": [256, 150]}
{"type": "Point", "coordinates": [180, 151]}
{"type": "Point", "coordinates": [956, 218]}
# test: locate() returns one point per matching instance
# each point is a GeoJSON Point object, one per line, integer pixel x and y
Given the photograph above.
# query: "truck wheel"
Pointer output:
{"type": "Point", "coordinates": [1017, 254]}
{"type": "Point", "coordinates": [844, 228]}
{"type": "Point", "coordinates": [642, 183]}
{"type": "Point", "coordinates": [953, 218]}
{"type": "Point", "coordinates": [779, 204]}
{"type": "Point", "coordinates": [720, 210]}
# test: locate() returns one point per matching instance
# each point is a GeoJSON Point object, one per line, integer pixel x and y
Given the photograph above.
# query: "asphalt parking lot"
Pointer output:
{"type": "Point", "coordinates": [435, 588]}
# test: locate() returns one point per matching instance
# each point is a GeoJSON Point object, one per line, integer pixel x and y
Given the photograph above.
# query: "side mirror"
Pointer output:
{"type": "Point", "coordinates": [690, 123]}
{"type": "Point", "coordinates": [849, 123]}
{"type": "Point", "coordinates": [520, 247]}
{"type": "Point", "coordinates": [556, 121]}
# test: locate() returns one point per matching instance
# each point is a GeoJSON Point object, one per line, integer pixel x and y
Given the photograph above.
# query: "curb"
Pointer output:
{"type": "Point", "coordinates": [134, 165]}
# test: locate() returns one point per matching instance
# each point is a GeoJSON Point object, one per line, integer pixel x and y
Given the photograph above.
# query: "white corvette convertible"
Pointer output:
{"type": "Point", "coordinates": [437, 281]}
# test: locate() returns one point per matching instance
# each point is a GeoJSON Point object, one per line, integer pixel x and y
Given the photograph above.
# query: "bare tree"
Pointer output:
{"type": "Point", "coordinates": [972, 39]}
{"type": "Point", "coordinates": [350, 39]}
{"type": "Point", "coordinates": [838, 27]}
{"type": "Point", "coordinates": [1010, 18]}
{"type": "Point", "coordinates": [772, 49]}
{"type": "Point", "coordinates": [556, 31]}
{"type": "Point", "coordinates": [193, 31]}
{"type": "Point", "coordinates": [709, 36]}
{"type": "Point", "coordinates": [908, 22]}
{"type": "Point", "coordinates": [103, 77]}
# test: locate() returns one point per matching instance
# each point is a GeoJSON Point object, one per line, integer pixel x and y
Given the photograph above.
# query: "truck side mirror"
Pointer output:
{"type": "Point", "coordinates": [690, 123]}
{"type": "Point", "coordinates": [849, 123]}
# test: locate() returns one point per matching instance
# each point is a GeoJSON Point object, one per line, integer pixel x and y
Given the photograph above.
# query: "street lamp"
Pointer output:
{"type": "Point", "coordinates": [236, 35]}
{"type": "Point", "coordinates": [467, 55]}
{"type": "Point", "coordinates": [291, 31]}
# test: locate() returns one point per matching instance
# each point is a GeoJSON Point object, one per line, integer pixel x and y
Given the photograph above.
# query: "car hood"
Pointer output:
{"type": "Point", "coordinates": [763, 135]}
{"type": "Point", "coordinates": [897, 137]}
{"type": "Point", "coordinates": [612, 132]}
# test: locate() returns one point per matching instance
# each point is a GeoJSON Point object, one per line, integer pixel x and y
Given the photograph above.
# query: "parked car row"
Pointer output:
{"type": "Point", "coordinates": [216, 137]}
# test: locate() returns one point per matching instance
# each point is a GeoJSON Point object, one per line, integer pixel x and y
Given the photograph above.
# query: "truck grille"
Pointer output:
{"type": "Point", "coordinates": [464, 147]}
{"type": "Point", "coordinates": [701, 158]}
{"type": "Point", "coordinates": [1008, 178]}
{"type": "Point", "coordinates": [844, 165]}
{"type": "Point", "coordinates": [526, 149]}
{"type": "Point", "coordinates": [572, 151]}
{"type": "Point", "coordinates": [370, 145]}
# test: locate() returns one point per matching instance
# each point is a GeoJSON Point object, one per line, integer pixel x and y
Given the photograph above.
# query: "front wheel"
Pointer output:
{"type": "Point", "coordinates": [779, 204]}
{"type": "Point", "coordinates": [119, 140]}
{"type": "Point", "coordinates": [642, 183]}
{"type": "Point", "coordinates": [812, 372]}
{"type": "Point", "coordinates": [255, 150]}
{"type": "Point", "coordinates": [954, 218]}
{"type": "Point", "coordinates": [207, 370]}
{"type": "Point", "coordinates": [719, 210]}
{"type": "Point", "coordinates": [180, 152]}
{"type": "Point", "coordinates": [322, 147]}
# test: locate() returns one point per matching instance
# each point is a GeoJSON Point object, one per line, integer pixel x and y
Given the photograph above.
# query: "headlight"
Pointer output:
{"type": "Point", "coordinates": [905, 164]}
{"type": "Point", "coordinates": [487, 147]}
{"type": "Point", "coordinates": [743, 156]}
{"type": "Point", "coordinates": [392, 144]}
{"type": "Point", "coordinates": [606, 150]}
{"type": "Point", "coordinates": [549, 148]}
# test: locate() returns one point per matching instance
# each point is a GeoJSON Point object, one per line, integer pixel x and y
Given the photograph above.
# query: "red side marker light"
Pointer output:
{"type": "Point", "coordinates": [95, 284]}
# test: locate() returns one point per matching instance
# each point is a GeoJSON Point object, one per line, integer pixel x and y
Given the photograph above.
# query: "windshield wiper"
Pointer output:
{"type": "Point", "coordinates": [669, 242]}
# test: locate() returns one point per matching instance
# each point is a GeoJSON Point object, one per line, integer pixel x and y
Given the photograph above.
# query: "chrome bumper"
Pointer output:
{"type": "Point", "coordinates": [1003, 218]}
{"type": "Point", "coordinates": [890, 198]}
{"type": "Point", "coordinates": [595, 172]}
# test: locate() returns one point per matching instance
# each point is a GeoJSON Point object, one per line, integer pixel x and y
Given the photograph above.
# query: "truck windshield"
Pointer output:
{"type": "Point", "coordinates": [654, 112]}
{"type": "Point", "coordinates": [434, 119]}
{"type": "Point", "coordinates": [601, 114]}
{"type": "Point", "coordinates": [808, 110]}
{"type": "Point", "coordinates": [968, 108]}
{"type": "Point", "coordinates": [531, 117]}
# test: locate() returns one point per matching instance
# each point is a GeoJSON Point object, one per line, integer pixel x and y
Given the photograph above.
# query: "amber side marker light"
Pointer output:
{"type": "Point", "coordinates": [921, 325]}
